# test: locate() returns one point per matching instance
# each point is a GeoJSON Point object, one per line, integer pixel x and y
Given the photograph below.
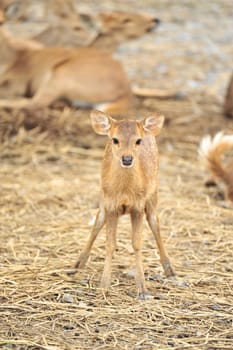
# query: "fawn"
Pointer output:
{"type": "Point", "coordinates": [129, 185]}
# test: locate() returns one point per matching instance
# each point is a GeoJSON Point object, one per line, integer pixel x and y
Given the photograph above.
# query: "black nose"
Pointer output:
{"type": "Point", "coordinates": [157, 21]}
{"type": "Point", "coordinates": [127, 160]}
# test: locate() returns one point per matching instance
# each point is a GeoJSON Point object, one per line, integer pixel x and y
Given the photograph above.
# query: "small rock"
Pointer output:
{"type": "Point", "coordinates": [145, 296]}
{"type": "Point", "coordinates": [171, 343]}
{"type": "Point", "coordinates": [173, 234]}
{"type": "Point", "coordinates": [67, 298]}
{"type": "Point", "coordinates": [182, 284]}
{"type": "Point", "coordinates": [82, 305]}
{"type": "Point", "coordinates": [131, 273]}
{"type": "Point", "coordinates": [215, 307]}
{"type": "Point", "coordinates": [156, 277]}
{"type": "Point", "coordinates": [69, 327]}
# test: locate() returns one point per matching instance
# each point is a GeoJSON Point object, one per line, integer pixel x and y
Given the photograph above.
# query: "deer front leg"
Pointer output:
{"type": "Point", "coordinates": [136, 221]}
{"type": "Point", "coordinates": [99, 223]}
{"type": "Point", "coordinates": [50, 90]}
{"type": "Point", "coordinates": [111, 226]}
{"type": "Point", "coordinates": [17, 103]}
{"type": "Point", "coordinates": [43, 98]}
{"type": "Point", "coordinates": [153, 221]}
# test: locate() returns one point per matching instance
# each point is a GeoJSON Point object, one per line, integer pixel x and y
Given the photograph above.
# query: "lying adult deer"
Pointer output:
{"type": "Point", "coordinates": [84, 76]}
{"type": "Point", "coordinates": [33, 76]}
{"type": "Point", "coordinates": [38, 77]}
{"type": "Point", "coordinates": [129, 185]}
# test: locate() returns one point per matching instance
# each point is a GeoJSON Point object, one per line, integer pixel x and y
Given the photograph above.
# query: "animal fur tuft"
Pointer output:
{"type": "Point", "coordinates": [211, 151]}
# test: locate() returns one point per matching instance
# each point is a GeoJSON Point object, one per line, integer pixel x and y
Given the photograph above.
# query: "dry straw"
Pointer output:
{"type": "Point", "coordinates": [49, 193]}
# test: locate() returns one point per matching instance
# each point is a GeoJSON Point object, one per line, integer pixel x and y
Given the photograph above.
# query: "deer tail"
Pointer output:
{"type": "Point", "coordinates": [211, 150]}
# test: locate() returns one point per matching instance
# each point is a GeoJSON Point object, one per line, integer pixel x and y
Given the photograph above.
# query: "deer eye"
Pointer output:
{"type": "Point", "coordinates": [115, 141]}
{"type": "Point", "coordinates": [139, 141]}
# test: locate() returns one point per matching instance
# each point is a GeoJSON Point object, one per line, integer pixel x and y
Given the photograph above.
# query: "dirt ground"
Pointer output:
{"type": "Point", "coordinates": [49, 176]}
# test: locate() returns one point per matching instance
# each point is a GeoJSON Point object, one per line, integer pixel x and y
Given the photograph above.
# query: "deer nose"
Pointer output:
{"type": "Point", "coordinates": [153, 25]}
{"type": "Point", "coordinates": [156, 21]}
{"type": "Point", "coordinates": [127, 160]}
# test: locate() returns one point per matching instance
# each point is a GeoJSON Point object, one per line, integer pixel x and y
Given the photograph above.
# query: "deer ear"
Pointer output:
{"type": "Point", "coordinates": [153, 124]}
{"type": "Point", "coordinates": [101, 123]}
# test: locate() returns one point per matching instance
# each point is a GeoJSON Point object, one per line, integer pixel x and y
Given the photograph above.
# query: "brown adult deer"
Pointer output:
{"type": "Point", "coordinates": [37, 78]}
{"type": "Point", "coordinates": [33, 76]}
{"type": "Point", "coordinates": [129, 185]}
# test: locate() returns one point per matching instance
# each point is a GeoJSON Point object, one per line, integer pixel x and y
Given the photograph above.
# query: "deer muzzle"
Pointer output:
{"type": "Point", "coordinates": [127, 161]}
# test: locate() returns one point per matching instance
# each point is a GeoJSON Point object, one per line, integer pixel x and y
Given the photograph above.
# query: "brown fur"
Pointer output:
{"type": "Point", "coordinates": [12, 47]}
{"type": "Point", "coordinates": [65, 26]}
{"type": "Point", "coordinates": [106, 30]}
{"type": "Point", "coordinates": [2, 17]}
{"type": "Point", "coordinates": [228, 103]}
{"type": "Point", "coordinates": [85, 75]}
{"type": "Point", "coordinates": [38, 76]}
{"type": "Point", "coordinates": [118, 26]}
{"type": "Point", "coordinates": [212, 151]}
{"type": "Point", "coordinates": [127, 187]}
{"type": "Point", "coordinates": [66, 35]}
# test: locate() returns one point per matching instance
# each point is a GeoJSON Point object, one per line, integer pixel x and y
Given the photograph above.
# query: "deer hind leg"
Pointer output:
{"type": "Point", "coordinates": [136, 221]}
{"type": "Point", "coordinates": [111, 226]}
{"type": "Point", "coordinates": [153, 221]}
{"type": "Point", "coordinates": [99, 223]}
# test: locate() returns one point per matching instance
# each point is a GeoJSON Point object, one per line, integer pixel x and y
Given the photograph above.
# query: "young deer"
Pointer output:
{"type": "Point", "coordinates": [129, 186]}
